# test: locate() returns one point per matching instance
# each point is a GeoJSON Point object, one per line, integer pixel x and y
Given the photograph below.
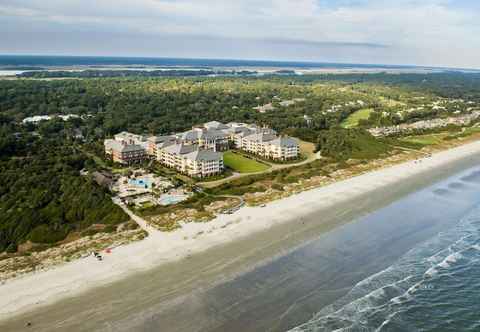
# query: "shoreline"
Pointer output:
{"type": "Point", "coordinates": [46, 287]}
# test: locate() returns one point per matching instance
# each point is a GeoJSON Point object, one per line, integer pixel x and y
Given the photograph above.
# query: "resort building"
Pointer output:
{"type": "Point", "coordinates": [190, 160]}
{"type": "Point", "coordinates": [207, 138]}
{"type": "Point", "coordinates": [270, 146]}
{"type": "Point", "coordinates": [256, 143]}
{"type": "Point", "coordinates": [282, 148]}
{"type": "Point", "coordinates": [197, 152]}
{"type": "Point", "coordinates": [204, 163]}
{"type": "Point", "coordinates": [154, 143]}
{"type": "Point", "coordinates": [124, 153]}
{"type": "Point", "coordinates": [129, 138]}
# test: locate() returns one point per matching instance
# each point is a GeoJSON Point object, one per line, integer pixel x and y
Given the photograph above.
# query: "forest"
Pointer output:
{"type": "Point", "coordinates": [43, 198]}
{"type": "Point", "coordinates": [163, 105]}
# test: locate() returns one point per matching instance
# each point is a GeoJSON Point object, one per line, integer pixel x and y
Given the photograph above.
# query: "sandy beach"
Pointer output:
{"type": "Point", "coordinates": [35, 290]}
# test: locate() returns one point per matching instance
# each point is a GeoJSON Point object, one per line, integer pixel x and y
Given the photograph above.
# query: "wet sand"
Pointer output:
{"type": "Point", "coordinates": [240, 285]}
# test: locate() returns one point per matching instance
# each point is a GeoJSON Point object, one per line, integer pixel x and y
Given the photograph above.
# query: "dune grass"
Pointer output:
{"type": "Point", "coordinates": [431, 139]}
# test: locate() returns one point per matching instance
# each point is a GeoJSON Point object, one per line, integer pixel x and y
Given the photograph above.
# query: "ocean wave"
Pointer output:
{"type": "Point", "coordinates": [453, 258]}
{"type": "Point", "coordinates": [375, 301]}
{"type": "Point", "coordinates": [431, 272]}
{"type": "Point", "coordinates": [476, 247]}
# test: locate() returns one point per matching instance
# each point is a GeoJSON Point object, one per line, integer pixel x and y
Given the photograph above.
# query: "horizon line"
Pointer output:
{"type": "Point", "coordinates": [311, 62]}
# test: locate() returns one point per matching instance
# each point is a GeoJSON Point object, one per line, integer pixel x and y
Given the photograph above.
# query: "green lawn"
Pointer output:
{"type": "Point", "coordinates": [242, 164]}
{"type": "Point", "coordinates": [354, 118]}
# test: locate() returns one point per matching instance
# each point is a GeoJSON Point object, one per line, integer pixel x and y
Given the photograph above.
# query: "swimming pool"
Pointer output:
{"type": "Point", "coordinates": [171, 199]}
{"type": "Point", "coordinates": [143, 183]}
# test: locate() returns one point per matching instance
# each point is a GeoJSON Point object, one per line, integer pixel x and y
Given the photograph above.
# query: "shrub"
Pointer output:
{"type": "Point", "coordinates": [45, 234]}
{"type": "Point", "coordinates": [343, 144]}
{"type": "Point", "coordinates": [12, 248]}
{"type": "Point", "coordinates": [291, 179]}
{"type": "Point", "coordinates": [90, 232]}
{"type": "Point", "coordinates": [110, 229]}
{"type": "Point", "coordinates": [277, 186]}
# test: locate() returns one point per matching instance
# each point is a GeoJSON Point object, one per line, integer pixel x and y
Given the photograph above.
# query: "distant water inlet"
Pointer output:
{"type": "Point", "coordinates": [434, 287]}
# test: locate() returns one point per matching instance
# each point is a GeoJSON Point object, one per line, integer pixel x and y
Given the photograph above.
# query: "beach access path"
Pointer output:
{"type": "Point", "coordinates": [140, 221]}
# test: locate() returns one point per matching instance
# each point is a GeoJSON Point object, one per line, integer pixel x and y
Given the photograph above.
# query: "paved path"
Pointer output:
{"type": "Point", "coordinates": [140, 221]}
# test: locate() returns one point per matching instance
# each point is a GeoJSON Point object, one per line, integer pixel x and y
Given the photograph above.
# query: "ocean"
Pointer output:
{"type": "Point", "coordinates": [68, 61]}
{"type": "Point", "coordinates": [433, 287]}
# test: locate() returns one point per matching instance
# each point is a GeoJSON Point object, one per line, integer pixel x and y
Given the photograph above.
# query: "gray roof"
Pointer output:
{"type": "Point", "coordinates": [213, 133]}
{"type": "Point", "coordinates": [132, 148]}
{"type": "Point", "coordinates": [261, 137]}
{"type": "Point", "coordinates": [161, 139]}
{"type": "Point", "coordinates": [205, 155]}
{"type": "Point", "coordinates": [113, 144]}
{"type": "Point", "coordinates": [285, 141]}
{"type": "Point", "coordinates": [193, 135]}
{"type": "Point", "coordinates": [127, 135]}
{"type": "Point", "coordinates": [120, 147]}
{"type": "Point", "coordinates": [190, 135]}
{"type": "Point", "coordinates": [180, 149]}
{"type": "Point", "coordinates": [215, 125]}
{"type": "Point", "coordinates": [164, 144]}
{"type": "Point", "coordinates": [102, 178]}
{"type": "Point", "coordinates": [244, 131]}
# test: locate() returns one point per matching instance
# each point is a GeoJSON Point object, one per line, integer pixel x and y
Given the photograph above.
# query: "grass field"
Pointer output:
{"type": "Point", "coordinates": [242, 164]}
{"type": "Point", "coordinates": [354, 118]}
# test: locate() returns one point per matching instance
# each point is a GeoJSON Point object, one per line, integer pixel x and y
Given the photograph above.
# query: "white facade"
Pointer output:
{"type": "Point", "coordinates": [270, 146]}
{"type": "Point", "coordinates": [188, 159]}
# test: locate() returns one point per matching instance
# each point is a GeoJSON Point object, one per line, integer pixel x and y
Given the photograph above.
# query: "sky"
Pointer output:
{"type": "Point", "coordinates": [423, 32]}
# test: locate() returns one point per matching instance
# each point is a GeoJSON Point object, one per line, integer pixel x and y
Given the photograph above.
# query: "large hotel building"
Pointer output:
{"type": "Point", "coordinates": [197, 152]}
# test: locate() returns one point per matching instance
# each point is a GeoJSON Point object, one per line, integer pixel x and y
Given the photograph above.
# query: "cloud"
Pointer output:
{"type": "Point", "coordinates": [428, 32]}
{"type": "Point", "coordinates": [299, 42]}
